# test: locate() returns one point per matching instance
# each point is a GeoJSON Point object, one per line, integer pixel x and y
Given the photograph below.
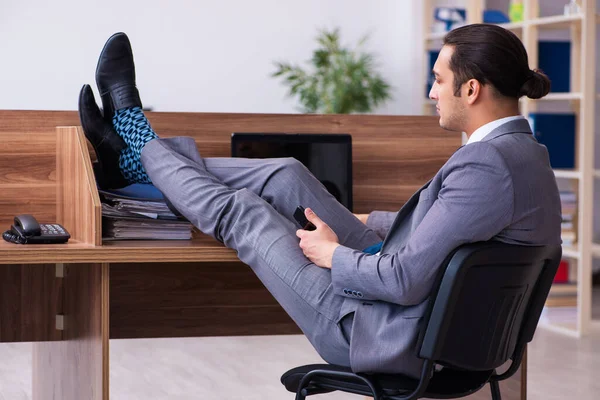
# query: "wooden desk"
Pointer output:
{"type": "Point", "coordinates": [71, 299]}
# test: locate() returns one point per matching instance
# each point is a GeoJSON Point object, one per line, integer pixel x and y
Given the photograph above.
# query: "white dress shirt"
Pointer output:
{"type": "Point", "coordinates": [484, 130]}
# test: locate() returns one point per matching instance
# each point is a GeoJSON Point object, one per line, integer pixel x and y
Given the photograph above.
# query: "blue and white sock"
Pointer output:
{"type": "Point", "coordinates": [131, 124]}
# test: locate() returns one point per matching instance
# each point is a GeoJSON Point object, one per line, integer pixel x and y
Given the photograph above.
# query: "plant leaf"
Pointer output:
{"type": "Point", "coordinates": [341, 80]}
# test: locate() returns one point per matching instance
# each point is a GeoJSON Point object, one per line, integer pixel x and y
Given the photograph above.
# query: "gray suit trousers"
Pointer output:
{"type": "Point", "coordinates": [248, 204]}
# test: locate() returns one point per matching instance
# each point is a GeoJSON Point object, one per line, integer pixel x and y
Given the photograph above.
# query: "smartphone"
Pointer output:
{"type": "Point", "coordinates": [302, 221]}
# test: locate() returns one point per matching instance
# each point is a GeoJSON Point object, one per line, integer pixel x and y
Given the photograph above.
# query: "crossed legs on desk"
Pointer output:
{"type": "Point", "coordinates": [248, 205]}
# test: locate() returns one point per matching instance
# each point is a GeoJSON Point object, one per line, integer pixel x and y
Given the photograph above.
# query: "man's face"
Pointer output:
{"type": "Point", "coordinates": [452, 109]}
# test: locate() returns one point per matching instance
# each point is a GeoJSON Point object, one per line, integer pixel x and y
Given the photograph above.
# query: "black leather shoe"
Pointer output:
{"type": "Point", "coordinates": [115, 76]}
{"type": "Point", "coordinates": [105, 140]}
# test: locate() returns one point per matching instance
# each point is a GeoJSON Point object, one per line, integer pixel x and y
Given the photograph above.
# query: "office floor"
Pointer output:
{"type": "Point", "coordinates": [249, 368]}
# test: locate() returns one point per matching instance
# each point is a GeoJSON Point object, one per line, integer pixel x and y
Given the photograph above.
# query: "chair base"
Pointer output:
{"type": "Point", "coordinates": [495, 387]}
{"type": "Point", "coordinates": [323, 378]}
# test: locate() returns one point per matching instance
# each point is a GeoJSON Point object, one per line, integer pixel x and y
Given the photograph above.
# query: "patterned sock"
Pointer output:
{"type": "Point", "coordinates": [132, 168]}
{"type": "Point", "coordinates": [131, 124]}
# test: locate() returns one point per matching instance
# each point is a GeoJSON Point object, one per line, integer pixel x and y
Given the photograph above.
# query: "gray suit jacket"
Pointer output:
{"type": "Point", "coordinates": [501, 188]}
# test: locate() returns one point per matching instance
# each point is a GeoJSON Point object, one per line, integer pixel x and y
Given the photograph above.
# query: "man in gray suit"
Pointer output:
{"type": "Point", "coordinates": [358, 299]}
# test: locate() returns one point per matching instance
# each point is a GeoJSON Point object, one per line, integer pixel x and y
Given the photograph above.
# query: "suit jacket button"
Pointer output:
{"type": "Point", "coordinates": [345, 291]}
{"type": "Point", "coordinates": [359, 294]}
{"type": "Point", "coordinates": [354, 293]}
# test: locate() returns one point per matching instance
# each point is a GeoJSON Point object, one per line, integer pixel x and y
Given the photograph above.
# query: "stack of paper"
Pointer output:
{"type": "Point", "coordinates": [139, 211]}
{"type": "Point", "coordinates": [568, 204]}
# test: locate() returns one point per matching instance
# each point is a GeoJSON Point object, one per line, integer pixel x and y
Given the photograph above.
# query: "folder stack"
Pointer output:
{"type": "Point", "coordinates": [564, 290]}
{"type": "Point", "coordinates": [568, 203]}
{"type": "Point", "coordinates": [139, 211]}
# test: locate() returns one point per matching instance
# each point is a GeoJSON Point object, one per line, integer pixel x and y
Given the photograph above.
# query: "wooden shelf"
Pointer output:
{"type": "Point", "coordinates": [561, 96]}
{"type": "Point", "coordinates": [200, 249]}
{"type": "Point", "coordinates": [555, 21]}
{"type": "Point", "coordinates": [552, 22]}
{"type": "Point", "coordinates": [512, 26]}
{"type": "Point", "coordinates": [571, 252]}
{"type": "Point", "coordinates": [567, 174]}
{"type": "Point", "coordinates": [562, 295]}
{"type": "Point", "coordinates": [436, 36]}
{"type": "Point", "coordinates": [561, 301]}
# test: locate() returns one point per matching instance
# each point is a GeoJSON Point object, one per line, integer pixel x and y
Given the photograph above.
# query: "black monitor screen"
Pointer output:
{"type": "Point", "coordinates": [327, 156]}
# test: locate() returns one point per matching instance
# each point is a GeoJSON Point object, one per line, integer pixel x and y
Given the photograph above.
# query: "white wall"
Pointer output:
{"type": "Point", "coordinates": [213, 56]}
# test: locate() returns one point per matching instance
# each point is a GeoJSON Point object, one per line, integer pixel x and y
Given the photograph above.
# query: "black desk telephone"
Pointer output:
{"type": "Point", "coordinates": [27, 230]}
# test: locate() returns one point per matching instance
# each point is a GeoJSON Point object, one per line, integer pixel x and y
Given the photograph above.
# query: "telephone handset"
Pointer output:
{"type": "Point", "coordinates": [26, 230]}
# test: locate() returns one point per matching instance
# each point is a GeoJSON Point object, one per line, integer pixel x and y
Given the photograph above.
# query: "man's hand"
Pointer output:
{"type": "Point", "coordinates": [318, 245]}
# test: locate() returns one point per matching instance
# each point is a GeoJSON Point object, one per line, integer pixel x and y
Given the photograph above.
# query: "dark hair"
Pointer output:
{"type": "Point", "coordinates": [496, 56]}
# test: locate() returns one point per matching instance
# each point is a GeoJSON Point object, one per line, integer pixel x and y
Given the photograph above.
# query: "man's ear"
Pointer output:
{"type": "Point", "coordinates": [473, 89]}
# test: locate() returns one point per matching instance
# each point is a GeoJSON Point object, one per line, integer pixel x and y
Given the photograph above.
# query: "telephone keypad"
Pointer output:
{"type": "Point", "coordinates": [52, 229]}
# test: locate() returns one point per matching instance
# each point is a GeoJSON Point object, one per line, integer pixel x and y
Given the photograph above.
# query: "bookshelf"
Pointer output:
{"type": "Point", "coordinates": [538, 21]}
{"type": "Point", "coordinates": [554, 22]}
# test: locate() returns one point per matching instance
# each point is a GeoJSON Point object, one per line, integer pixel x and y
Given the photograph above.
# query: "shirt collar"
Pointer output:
{"type": "Point", "coordinates": [484, 130]}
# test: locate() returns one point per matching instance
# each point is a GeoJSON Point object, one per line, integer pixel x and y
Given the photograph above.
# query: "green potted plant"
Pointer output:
{"type": "Point", "coordinates": [343, 81]}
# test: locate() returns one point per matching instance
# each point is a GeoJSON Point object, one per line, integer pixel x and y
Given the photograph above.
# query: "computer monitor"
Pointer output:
{"type": "Point", "coordinates": [327, 156]}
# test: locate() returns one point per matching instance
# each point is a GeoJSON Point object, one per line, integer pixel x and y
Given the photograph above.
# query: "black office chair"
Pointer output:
{"type": "Point", "coordinates": [484, 310]}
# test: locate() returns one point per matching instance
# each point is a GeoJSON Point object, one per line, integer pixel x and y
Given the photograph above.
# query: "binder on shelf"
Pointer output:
{"type": "Point", "coordinates": [555, 61]}
{"type": "Point", "coordinates": [432, 56]}
{"type": "Point", "coordinates": [563, 292]}
{"type": "Point", "coordinates": [568, 231]}
{"type": "Point", "coordinates": [491, 16]}
{"type": "Point", "coordinates": [562, 273]}
{"type": "Point", "coordinates": [448, 18]}
{"type": "Point", "coordinates": [557, 133]}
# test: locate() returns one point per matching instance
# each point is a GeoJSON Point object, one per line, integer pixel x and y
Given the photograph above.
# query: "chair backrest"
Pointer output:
{"type": "Point", "coordinates": [488, 304]}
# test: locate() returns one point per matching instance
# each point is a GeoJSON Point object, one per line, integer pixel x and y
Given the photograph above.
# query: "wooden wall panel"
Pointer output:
{"type": "Point", "coordinates": [386, 197]}
{"type": "Point", "coordinates": [36, 199]}
{"type": "Point", "coordinates": [192, 321]}
{"type": "Point", "coordinates": [29, 123]}
{"type": "Point", "coordinates": [39, 168]}
{"type": "Point", "coordinates": [397, 150]}
{"type": "Point", "coordinates": [185, 299]}
{"type": "Point", "coordinates": [30, 297]}
{"type": "Point", "coordinates": [28, 163]}
{"type": "Point", "coordinates": [396, 172]}
{"type": "Point", "coordinates": [10, 304]}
